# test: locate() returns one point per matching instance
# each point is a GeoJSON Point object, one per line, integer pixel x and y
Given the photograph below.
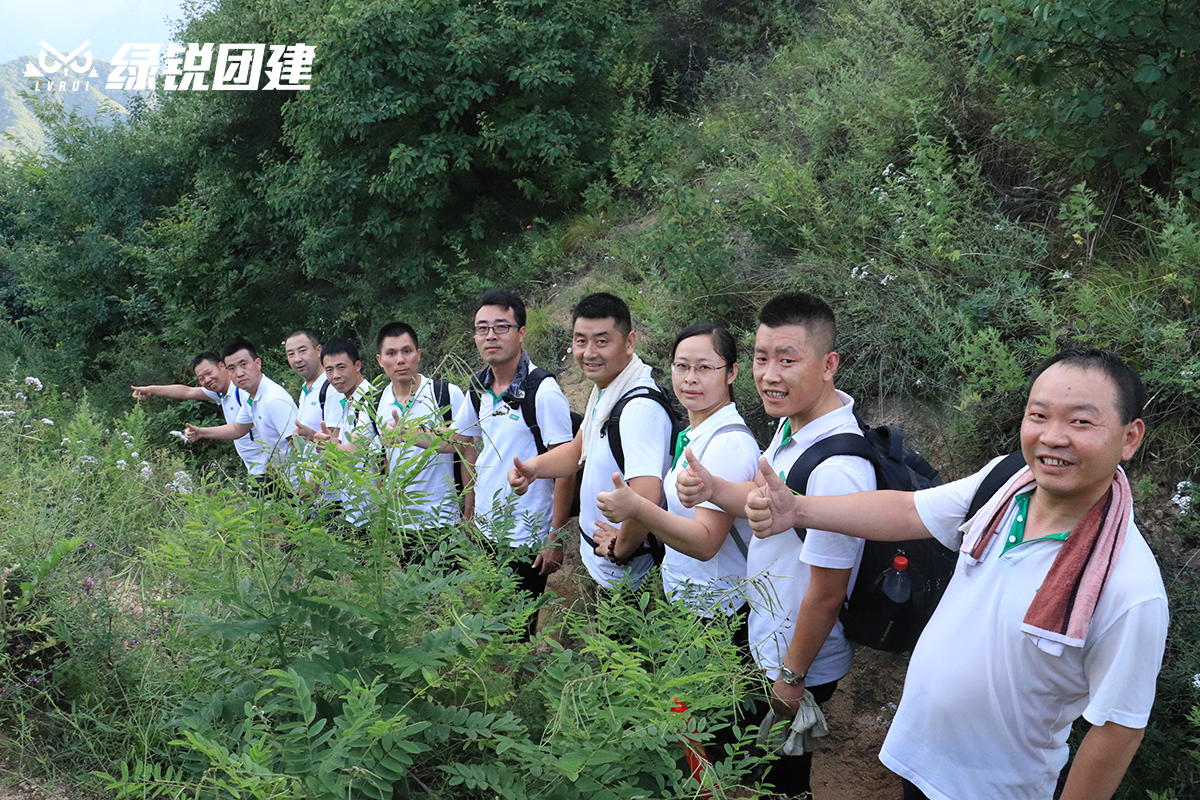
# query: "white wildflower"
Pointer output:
{"type": "Point", "coordinates": [1184, 491]}
{"type": "Point", "coordinates": [34, 382]}
{"type": "Point", "coordinates": [47, 421]}
{"type": "Point", "coordinates": [145, 472]}
{"type": "Point", "coordinates": [1196, 680]}
{"type": "Point", "coordinates": [121, 465]}
{"type": "Point", "coordinates": [887, 279]}
{"type": "Point", "coordinates": [7, 413]}
{"type": "Point", "coordinates": [20, 396]}
{"type": "Point", "coordinates": [181, 483]}
{"type": "Point", "coordinates": [134, 455]}
{"type": "Point", "coordinates": [888, 169]}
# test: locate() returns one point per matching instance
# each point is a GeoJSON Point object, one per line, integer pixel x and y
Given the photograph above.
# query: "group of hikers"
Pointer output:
{"type": "Point", "coordinates": [1056, 607]}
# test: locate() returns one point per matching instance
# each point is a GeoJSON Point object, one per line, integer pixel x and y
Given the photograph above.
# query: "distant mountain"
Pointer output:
{"type": "Point", "coordinates": [85, 96]}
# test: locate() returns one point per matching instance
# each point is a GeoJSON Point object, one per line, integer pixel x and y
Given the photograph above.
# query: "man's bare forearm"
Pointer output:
{"type": "Point", "coordinates": [227, 432]}
{"type": "Point", "coordinates": [560, 461]}
{"type": "Point", "coordinates": [1103, 756]}
{"type": "Point", "coordinates": [883, 515]}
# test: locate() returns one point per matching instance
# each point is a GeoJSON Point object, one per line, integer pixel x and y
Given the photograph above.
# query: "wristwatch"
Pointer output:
{"type": "Point", "coordinates": [791, 678]}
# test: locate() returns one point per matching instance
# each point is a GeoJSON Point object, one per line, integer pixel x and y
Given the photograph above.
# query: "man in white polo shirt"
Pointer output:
{"type": "Point", "coordinates": [796, 586]}
{"type": "Point", "coordinates": [519, 411]}
{"type": "Point", "coordinates": [1056, 608]}
{"type": "Point", "coordinates": [215, 387]}
{"type": "Point", "coordinates": [266, 414]}
{"type": "Point", "coordinates": [348, 419]}
{"type": "Point", "coordinates": [603, 343]}
{"type": "Point", "coordinates": [428, 455]}
{"type": "Point", "coordinates": [303, 350]}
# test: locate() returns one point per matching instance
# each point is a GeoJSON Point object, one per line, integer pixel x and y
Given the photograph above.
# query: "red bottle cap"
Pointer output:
{"type": "Point", "coordinates": [899, 563]}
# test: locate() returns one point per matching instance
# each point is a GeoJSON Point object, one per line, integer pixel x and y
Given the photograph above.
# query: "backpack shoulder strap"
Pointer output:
{"type": "Point", "coordinates": [529, 405]}
{"type": "Point", "coordinates": [611, 429]}
{"type": "Point", "coordinates": [321, 398]}
{"type": "Point", "coordinates": [840, 444]}
{"type": "Point", "coordinates": [371, 399]}
{"type": "Point", "coordinates": [1010, 465]}
{"type": "Point", "coordinates": [476, 389]}
{"type": "Point", "coordinates": [733, 427]}
{"type": "Point", "coordinates": [441, 396]}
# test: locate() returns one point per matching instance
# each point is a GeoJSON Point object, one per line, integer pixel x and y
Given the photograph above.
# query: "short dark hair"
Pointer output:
{"type": "Point", "coordinates": [338, 347]}
{"type": "Point", "coordinates": [722, 341]}
{"type": "Point", "coordinates": [207, 355]}
{"type": "Point", "coordinates": [806, 310]}
{"type": "Point", "coordinates": [238, 344]}
{"type": "Point", "coordinates": [396, 329]}
{"type": "Point", "coordinates": [504, 299]}
{"type": "Point", "coordinates": [307, 332]}
{"type": "Point", "coordinates": [603, 305]}
{"type": "Point", "coordinates": [1132, 396]}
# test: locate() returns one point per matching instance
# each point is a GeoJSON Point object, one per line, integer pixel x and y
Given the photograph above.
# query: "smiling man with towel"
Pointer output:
{"type": "Point", "coordinates": [1056, 608]}
{"type": "Point", "coordinates": [603, 343]}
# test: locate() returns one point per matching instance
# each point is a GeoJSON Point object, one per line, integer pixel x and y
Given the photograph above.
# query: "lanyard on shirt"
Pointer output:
{"type": "Point", "coordinates": [681, 443]}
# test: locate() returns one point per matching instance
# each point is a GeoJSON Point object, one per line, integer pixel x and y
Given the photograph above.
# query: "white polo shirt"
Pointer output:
{"type": "Point", "coordinates": [778, 566]}
{"type": "Point", "coordinates": [271, 413]}
{"type": "Point", "coordinates": [985, 712]}
{"type": "Point", "coordinates": [646, 439]}
{"type": "Point", "coordinates": [422, 481]}
{"type": "Point", "coordinates": [310, 412]}
{"type": "Point", "coordinates": [505, 436]}
{"type": "Point", "coordinates": [352, 417]}
{"type": "Point", "coordinates": [231, 405]}
{"type": "Point", "coordinates": [719, 583]}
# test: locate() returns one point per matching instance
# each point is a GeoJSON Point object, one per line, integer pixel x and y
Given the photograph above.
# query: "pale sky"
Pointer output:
{"type": "Point", "coordinates": [66, 24]}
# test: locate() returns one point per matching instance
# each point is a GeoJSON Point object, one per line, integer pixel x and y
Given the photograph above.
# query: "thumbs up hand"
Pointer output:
{"type": "Point", "coordinates": [694, 484]}
{"type": "Point", "coordinates": [393, 431]}
{"type": "Point", "coordinates": [521, 475]}
{"type": "Point", "coordinates": [304, 431]}
{"type": "Point", "coordinates": [323, 437]}
{"type": "Point", "coordinates": [772, 507]}
{"type": "Point", "coordinates": [621, 503]}
{"type": "Point", "coordinates": [192, 433]}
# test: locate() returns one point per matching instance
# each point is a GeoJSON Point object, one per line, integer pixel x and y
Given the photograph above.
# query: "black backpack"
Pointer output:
{"type": "Point", "coordinates": [611, 431]}
{"type": "Point", "coordinates": [441, 396]}
{"type": "Point", "coordinates": [527, 402]}
{"type": "Point", "coordinates": [868, 616]}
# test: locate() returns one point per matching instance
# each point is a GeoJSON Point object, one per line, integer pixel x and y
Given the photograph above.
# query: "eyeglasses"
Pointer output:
{"type": "Point", "coordinates": [501, 329]}
{"type": "Point", "coordinates": [701, 370]}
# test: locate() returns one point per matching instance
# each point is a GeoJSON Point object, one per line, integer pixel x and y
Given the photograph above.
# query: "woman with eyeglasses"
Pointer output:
{"type": "Point", "coordinates": [705, 562]}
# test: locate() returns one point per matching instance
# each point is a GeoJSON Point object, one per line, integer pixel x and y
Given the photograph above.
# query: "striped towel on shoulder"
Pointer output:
{"type": "Point", "coordinates": [1062, 609]}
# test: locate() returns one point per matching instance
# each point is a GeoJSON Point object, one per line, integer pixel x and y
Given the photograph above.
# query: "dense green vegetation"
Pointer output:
{"type": "Point", "coordinates": [971, 185]}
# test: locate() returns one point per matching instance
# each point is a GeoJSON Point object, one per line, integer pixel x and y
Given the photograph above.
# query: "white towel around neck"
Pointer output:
{"type": "Point", "coordinates": [598, 408]}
